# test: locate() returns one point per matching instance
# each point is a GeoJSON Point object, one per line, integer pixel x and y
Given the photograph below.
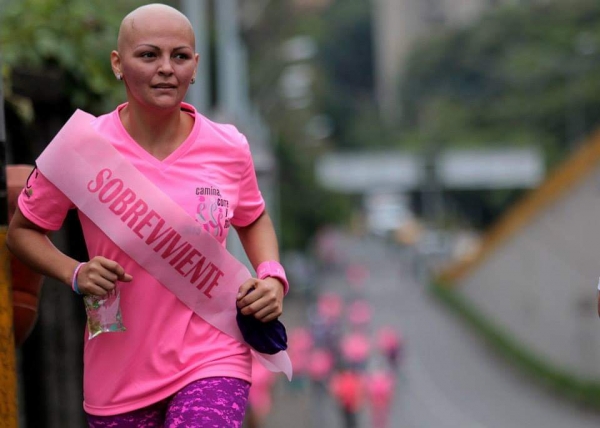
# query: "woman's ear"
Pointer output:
{"type": "Point", "coordinates": [115, 63]}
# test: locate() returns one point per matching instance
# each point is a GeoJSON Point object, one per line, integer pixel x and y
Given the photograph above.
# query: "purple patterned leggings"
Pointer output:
{"type": "Point", "coordinates": [206, 403]}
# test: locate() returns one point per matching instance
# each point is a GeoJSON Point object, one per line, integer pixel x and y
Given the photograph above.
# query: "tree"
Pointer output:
{"type": "Point", "coordinates": [305, 206]}
{"type": "Point", "coordinates": [521, 75]}
{"type": "Point", "coordinates": [64, 42]}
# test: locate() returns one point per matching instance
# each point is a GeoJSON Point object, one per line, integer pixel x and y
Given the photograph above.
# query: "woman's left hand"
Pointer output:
{"type": "Point", "coordinates": [265, 302]}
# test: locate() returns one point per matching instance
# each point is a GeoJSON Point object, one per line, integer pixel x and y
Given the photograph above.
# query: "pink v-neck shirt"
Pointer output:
{"type": "Point", "coordinates": [166, 346]}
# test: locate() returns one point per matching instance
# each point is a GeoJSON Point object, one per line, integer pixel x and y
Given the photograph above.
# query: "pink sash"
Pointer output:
{"type": "Point", "coordinates": [149, 226]}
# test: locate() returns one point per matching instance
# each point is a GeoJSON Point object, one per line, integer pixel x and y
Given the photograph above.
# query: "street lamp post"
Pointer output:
{"type": "Point", "coordinates": [197, 12]}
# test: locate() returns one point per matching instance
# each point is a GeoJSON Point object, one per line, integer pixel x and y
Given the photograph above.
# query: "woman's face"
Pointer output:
{"type": "Point", "coordinates": [157, 60]}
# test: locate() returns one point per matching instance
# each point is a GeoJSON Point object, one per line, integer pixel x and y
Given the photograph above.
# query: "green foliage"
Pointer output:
{"type": "Point", "coordinates": [75, 36]}
{"type": "Point", "coordinates": [305, 207]}
{"type": "Point", "coordinates": [525, 73]}
{"type": "Point", "coordinates": [346, 57]}
{"type": "Point", "coordinates": [520, 75]}
{"type": "Point", "coordinates": [346, 48]}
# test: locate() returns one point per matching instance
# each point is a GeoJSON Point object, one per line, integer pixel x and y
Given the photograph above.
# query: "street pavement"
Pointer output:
{"type": "Point", "coordinates": [448, 377]}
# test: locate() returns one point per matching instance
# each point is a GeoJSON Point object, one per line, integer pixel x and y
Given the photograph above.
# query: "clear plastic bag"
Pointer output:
{"type": "Point", "coordinates": [104, 313]}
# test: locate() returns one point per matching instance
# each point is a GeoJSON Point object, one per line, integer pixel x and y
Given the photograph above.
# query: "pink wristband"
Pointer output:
{"type": "Point", "coordinates": [273, 269]}
{"type": "Point", "coordinates": [74, 285]}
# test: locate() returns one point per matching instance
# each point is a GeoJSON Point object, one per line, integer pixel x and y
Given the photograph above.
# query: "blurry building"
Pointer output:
{"type": "Point", "coordinates": [536, 272]}
{"type": "Point", "coordinates": [398, 24]}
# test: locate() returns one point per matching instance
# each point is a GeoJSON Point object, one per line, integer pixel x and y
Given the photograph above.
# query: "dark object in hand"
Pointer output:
{"type": "Point", "coordinates": [264, 337]}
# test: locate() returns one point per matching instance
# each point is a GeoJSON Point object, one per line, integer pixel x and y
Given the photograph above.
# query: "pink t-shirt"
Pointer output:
{"type": "Point", "coordinates": [166, 346]}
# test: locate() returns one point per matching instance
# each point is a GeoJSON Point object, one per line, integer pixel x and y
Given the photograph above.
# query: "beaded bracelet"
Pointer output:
{"type": "Point", "coordinates": [74, 285]}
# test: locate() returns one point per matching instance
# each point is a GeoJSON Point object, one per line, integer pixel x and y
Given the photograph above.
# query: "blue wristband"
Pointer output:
{"type": "Point", "coordinates": [74, 285]}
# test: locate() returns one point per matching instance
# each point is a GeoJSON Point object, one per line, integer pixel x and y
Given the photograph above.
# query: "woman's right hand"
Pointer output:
{"type": "Point", "coordinates": [99, 276]}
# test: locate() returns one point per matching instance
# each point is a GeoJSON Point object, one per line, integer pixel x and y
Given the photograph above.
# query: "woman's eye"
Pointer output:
{"type": "Point", "coordinates": [181, 56]}
{"type": "Point", "coordinates": [147, 55]}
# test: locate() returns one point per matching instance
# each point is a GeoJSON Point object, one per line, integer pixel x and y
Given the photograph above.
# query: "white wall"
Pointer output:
{"type": "Point", "coordinates": [541, 284]}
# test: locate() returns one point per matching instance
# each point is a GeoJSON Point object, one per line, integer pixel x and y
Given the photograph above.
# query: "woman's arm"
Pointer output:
{"type": "Point", "coordinates": [31, 244]}
{"type": "Point", "coordinates": [259, 240]}
{"type": "Point", "coordinates": [260, 244]}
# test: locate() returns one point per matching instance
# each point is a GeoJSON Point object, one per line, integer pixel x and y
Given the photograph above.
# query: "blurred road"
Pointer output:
{"type": "Point", "coordinates": [449, 378]}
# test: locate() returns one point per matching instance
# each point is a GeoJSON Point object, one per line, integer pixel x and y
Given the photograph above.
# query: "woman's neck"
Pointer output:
{"type": "Point", "coordinates": [159, 133]}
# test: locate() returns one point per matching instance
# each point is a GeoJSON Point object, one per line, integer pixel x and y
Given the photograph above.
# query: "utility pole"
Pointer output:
{"type": "Point", "coordinates": [228, 59]}
{"type": "Point", "coordinates": [8, 374]}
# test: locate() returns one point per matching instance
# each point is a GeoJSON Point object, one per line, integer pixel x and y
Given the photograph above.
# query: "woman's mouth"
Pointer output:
{"type": "Point", "coordinates": [164, 86]}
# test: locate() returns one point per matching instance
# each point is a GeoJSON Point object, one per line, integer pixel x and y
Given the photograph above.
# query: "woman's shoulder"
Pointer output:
{"type": "Point", "coordinates": [223, 133]}
{"type": "Point", "coordinates": [107, 123]}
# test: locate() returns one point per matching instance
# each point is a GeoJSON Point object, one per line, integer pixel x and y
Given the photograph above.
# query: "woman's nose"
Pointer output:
{"type": "Point", "coordinates": [165, 66]}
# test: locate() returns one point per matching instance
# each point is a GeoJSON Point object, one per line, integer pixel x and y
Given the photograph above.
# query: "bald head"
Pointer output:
{"type": "Point", "coordinates": [149, 16]}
